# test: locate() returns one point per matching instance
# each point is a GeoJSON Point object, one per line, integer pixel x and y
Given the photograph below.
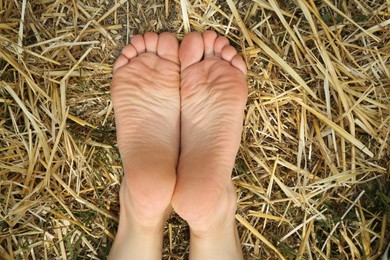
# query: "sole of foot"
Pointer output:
{"type": "Point", "coordinates": [146, 99]}
{"type": "Point", "coordinates": [213, 98]}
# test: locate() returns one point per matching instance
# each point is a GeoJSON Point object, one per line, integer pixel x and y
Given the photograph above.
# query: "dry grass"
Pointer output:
{"type": "Point", "coordinates": [312, 174]}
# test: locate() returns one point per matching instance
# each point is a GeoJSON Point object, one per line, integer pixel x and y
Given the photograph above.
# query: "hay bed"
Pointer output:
{"type": "Point", "coordinates": [312, 173]}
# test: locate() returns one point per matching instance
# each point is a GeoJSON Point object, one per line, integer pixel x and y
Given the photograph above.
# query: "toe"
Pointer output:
{"type": "Point", "coordinates": [209, 40]}
{"type": "Point", "coordinates": [120, 62]}
{"type": "Point", "coordinates": [139, 43]}
{"type": "Point", "coordinates": [168, 47]}
{"type": "Point", "coordinates": [239, 63]}
{"type": "Point", "coordinates": [191, 49]}
{"type": "Point", "coordinates": [151, 40]}
{"type": "Point", "coordinates": [129, 51]}
{"type": "Point", "coordinates": [228, 53]}
{"type": "Point", "coordinates": [220, 43]}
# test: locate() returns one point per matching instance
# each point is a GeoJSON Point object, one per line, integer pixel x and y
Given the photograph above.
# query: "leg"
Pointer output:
{"type": "Point", "coordinates": [213, 97]}
{"type": "Point", "coordinates": [146, 99]}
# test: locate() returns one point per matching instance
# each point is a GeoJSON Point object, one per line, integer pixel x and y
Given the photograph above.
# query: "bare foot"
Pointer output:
{"type": "Point", "coordinates": [213, 97]}
{"type": "Point", "coordinates": [146, 99]}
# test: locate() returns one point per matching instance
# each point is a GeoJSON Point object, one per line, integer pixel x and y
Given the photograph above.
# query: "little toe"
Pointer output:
{"type": "Point", "coordinates": [209, 38]}
{"type": "Point", "coordinates": [120, 62]}
{"type": "Point", "coordinates": [228, 53]}
{"type": "Point", "coordinates": [239, 63]}
{"type": "Point", "coordinates": [139, 43]}
{"type": "Point", "coordinates": [191, 49]}
{"type": "Point", "coordinates": [151, 40]}
{"type": "Point", "coordinates": [168, 47]}
{"type": "Point", "coordinates": [129, 51]}
{"type": "Point", "coordinates": [219, 44]}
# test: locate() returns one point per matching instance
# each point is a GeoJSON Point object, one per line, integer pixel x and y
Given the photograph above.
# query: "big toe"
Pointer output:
{"type": "Point", "coordinates": [168, 47]}
{"type": "Point", "coordinates": [191, 49]}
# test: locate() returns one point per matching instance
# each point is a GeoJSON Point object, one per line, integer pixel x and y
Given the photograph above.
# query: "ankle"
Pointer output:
{"type": "Point", "coordinates": [135, 241]}
{"type": "Point", "coordinates": [222, 228]}
{"type": "Point", "coordinates": [213, 207]}
{"type": "Point", "coordinates": [220, 243]}
{"type": "Point", "coordinates": [144, 212]}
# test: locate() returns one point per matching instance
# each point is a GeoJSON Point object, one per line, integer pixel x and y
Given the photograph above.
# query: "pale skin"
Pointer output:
{"type": "Point", "coordinates": [178, 113]}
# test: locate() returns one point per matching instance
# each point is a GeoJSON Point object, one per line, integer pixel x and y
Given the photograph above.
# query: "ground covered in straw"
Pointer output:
{"type": "Point", "coordinates": [312, 173]}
